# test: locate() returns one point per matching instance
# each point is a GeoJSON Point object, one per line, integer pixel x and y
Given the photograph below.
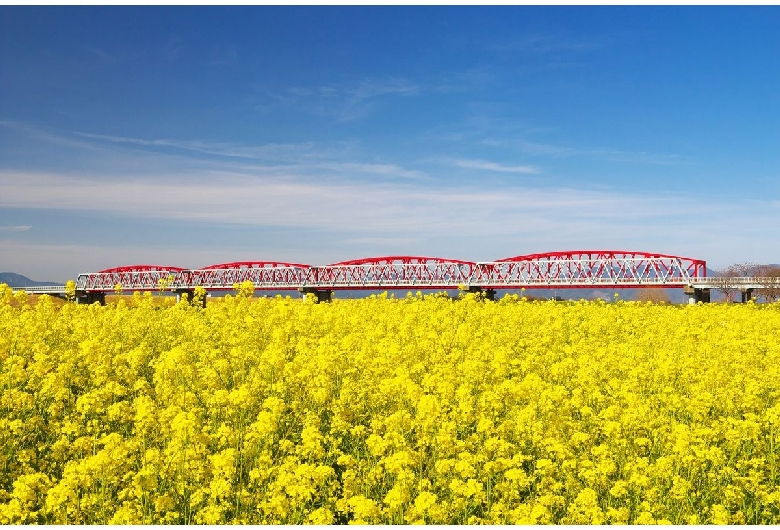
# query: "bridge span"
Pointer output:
{"type": "Point", "coordinates": [583, 269]}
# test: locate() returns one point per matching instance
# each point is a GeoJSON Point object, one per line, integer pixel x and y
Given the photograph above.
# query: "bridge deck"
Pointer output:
{"type": "Point", "coordinates": [741, 283]}
{"type": "Point", "coordinates": [43, 289]}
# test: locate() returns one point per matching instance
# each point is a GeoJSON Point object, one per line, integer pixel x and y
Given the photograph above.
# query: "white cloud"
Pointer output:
{"type": "Point", "coordinates": [260, 152]}
{"type": "Point", "coordinates": [372, 88]}
{"type": "Point", "coordinates": [293, 201]}
{"type": "Point", "coordinates": [16, 228]}
{"type": "Point", "coordinates": [358, 208]}
{"type": "Point", "coordinates": [361, 219]}
{"type": "Point", "coordinates": [492, 166]}
{"type": "Point", "coordinates": [475, 78]}
{"type": "Point", "coordinates": [296, 91]}
{"type": "Point", "coordinates": [224, 57]}
{"type": "Point", "coordinates": [612, 155]}
{"type": "Point", "coordinates": [385, 242]}
{"type": "Point", "coordinates": [173, 48]}
{"type": "Point", "coordinates": [102, 54]}
{"type": "Point", "coordinates": [541, 43]}
{"type": "Point", "coordinates": [344, 102]}
{"type": "Point", "coordinates": [387, 170]}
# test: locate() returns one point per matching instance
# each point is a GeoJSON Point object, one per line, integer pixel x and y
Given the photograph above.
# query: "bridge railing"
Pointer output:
{"type": "Point", "coordinates": [346, 277]}
{"type": "Point", "coordinates": [738, 282]}
{"type": "Point", "coordinates": [43, 289]}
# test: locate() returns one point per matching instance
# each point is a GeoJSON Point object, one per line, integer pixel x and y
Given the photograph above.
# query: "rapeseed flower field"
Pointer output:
{"type": "Point", "coordinates": [409, 410]}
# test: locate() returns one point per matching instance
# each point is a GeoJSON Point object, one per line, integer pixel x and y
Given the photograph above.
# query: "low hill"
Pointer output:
{"type": "Point", "coordinates": [13, 279]}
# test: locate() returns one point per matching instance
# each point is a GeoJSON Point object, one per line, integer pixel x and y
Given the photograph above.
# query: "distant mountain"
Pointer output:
{"type": "Point", "coordinates": [17, 280]}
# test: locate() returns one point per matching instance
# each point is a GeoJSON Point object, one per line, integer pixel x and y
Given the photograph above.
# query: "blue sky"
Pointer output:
{"type": "Point", "coordinates": [190, 136]}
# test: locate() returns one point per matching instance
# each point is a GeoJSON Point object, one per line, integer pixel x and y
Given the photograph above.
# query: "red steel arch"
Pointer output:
{"type": "Point", "coordinates": [140, 268]}
{"type": "Point", "coordinates": [129, 277]}
{"type": "Point", "coordinates": [394, 272]}
{"type": "Point", "coordinates": [589, 268]}
{"type": "Point", "coordinates": [608, 254]}
{"type": "Point", "coordinates": [252, 265]}
{"type": "Point", "coordinates": [403, 260]}
{"type": "Point", "coordinates": [265, 275]}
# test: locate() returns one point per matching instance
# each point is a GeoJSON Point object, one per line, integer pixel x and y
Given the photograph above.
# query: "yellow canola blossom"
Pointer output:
{"type": "Point", "coordinates": [414, 410]}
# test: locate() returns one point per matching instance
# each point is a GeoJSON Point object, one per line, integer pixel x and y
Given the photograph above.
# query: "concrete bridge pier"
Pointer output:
{"type": "Point", "coordinates": [323, 295]}
{"type": "Point", "coordinates": [83, 297]}
{"type": "Point", "coordinates": [190, 293]}
{"type": "Point", "coordinates": [747, 295]}
{"type": "Point", "coordinates": [696, 295]}
{"type": "Point", "coordinates": [190, 296]}
{"type": "Point", "coordinates": [489, 294]}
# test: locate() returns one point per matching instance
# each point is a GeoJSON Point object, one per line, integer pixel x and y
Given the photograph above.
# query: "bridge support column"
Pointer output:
{"type": "Point", "coordinates": [190, 296]}
{"type": "Point", "coordinates": [83, 297]}
{"type": "Point", "coordinates": [323, 295]}
{"type": "Point", "coordinates": [747, 295]}
{"type": "Point", "coordinates": [488, 294]}
{"type": "Point", "coordinates": [696, 295]}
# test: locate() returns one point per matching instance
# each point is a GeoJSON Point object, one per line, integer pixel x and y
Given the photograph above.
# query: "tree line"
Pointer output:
{"type": "Point", "coordinates": [768, 276]}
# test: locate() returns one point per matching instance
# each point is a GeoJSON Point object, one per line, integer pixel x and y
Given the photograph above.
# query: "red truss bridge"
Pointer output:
{"type": "Point", "coordinates": [135, 277]}
{"type": "Point", "coordinates": [570, 269]}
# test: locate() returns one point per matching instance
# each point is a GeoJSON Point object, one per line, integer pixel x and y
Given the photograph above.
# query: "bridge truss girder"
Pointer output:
{"type": "Point", "coordinates": [571, 269]}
